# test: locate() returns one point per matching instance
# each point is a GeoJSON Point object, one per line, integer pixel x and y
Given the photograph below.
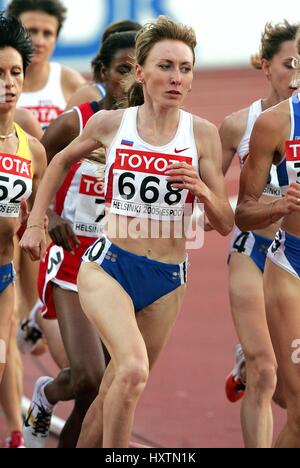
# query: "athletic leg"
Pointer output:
{"type": "Point", "coordinates": [282, 294]}
{"type": "Point", "coordinates": [154, 325]}
{"type": "Point", "coordinates": [248, 310]}
{"type": "Point", "coordinates": [7, 304]}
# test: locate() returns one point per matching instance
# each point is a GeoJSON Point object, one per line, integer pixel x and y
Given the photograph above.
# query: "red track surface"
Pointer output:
{"type": "Point", "coordinates": [184, 404]}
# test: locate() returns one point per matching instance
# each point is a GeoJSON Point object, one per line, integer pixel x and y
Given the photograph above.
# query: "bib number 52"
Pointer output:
{"type": "Point", "coordinates": [4, 192]}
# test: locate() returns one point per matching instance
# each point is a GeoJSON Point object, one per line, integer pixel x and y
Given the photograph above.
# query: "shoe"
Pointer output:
{"type": "Point", "coordinates": [27, 336]}
{"type": "Point", "coordinates": [15, 441]}
{"type": "Point", "coordinates": [29, 333]}
{"type": "Point", "coordinates": [235, 387]}
{"type": "Point", "coordinates": [36, 427]}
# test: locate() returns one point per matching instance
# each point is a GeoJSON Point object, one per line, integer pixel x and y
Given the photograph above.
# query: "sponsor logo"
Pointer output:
{"type": "Point", "coordinates": [91, 186]}
{"type": "Point", "coordinates": [293, 150]}
{"type": "Point", "coordinates": [15, 165]}
{"type": "Point", "coordinates": [45, 114]}
{"type": "Point", "coordinates": [181, 151]}
{"type": "Point", "coordinates": [147, 162]}
{"type": "Point", "coordinates": [30, 419]}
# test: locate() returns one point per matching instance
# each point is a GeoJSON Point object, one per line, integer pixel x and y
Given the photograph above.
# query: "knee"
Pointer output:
{"type": "Point", "coordinates": [86, 385]}
{"type": "Point", "coordinates": [132, 377]}
{"type": "Point", "coordinates": [261, 375]}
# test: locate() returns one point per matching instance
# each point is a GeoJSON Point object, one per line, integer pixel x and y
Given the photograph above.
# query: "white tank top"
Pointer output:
{"type": "Point", "coordinates": [135, 179]}
{"type": "Point", "coordinates": [47, 103]}
{"type": "Point", "coordinates": [255, 110]}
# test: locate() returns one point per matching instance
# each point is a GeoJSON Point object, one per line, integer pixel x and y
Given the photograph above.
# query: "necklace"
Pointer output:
{"type": "Point", "coordinates": [5, 137]}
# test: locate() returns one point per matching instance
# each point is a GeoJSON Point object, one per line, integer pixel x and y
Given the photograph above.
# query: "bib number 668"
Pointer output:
{"type": "Point", "coordinates": [149, 190]}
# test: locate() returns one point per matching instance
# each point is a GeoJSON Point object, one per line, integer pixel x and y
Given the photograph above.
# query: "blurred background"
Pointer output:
{"type": "Point", "coordinates": [184, 404]}
{"type": "Point", "coordinates": [228, 31]}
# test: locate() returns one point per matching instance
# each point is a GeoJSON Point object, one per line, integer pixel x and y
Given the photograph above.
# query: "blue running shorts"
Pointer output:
{"type": "Point", "coordinates": [7, 276]}
{"type": "Point", "coordinates": [285, 252]}
{"type": "Point", "coordinates": [144, 280]}
{"type": "Point", "coordinates": [251, 244]}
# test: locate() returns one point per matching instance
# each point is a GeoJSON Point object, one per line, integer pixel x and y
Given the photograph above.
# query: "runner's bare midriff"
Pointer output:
{"type": "Point", "coordinates": [164, 247]}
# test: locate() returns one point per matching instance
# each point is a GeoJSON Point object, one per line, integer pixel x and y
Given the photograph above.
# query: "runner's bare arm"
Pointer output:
{"type": "Point", "coordinates": [63, 161]}
{"type": "Point", "coordinates": [231, 132]}
{"type": "Point", "coordinates": [217, 206]}
{"type": "Point", "coordinates": [265, 144]}
{"type": "Point", "coordinates": [210, 187]}
{"type": "Point", "coordinates": [34, 240]}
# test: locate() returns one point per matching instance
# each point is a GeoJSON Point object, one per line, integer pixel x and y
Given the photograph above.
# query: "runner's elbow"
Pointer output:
{"type": "Point", "coordinates": [242, 218]}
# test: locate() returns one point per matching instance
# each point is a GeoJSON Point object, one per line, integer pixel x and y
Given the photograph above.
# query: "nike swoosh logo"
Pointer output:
{"type": "Point", "coordinates": [26, 422]}
{"type": "Point", "coordinates": [181, 151]}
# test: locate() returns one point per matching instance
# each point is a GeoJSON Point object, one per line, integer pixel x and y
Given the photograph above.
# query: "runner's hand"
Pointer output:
{"type": "Point", "coordinates": [186, 177]}
{"type": "Point", "coordinates": [33, 242]}
{"type": "Point", "coordinates": [61, 232]}
{"type": "Point", "coordinates": [289, 203]}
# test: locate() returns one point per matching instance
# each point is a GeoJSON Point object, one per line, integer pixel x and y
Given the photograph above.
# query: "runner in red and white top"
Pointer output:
{"type": "Point", "coordinates": [77, 219]}
{"type": "Point", "coordinates": [74, 225]}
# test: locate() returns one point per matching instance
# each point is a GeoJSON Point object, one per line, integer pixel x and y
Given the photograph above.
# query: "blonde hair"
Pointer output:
{"type": "Point", "coordinates": [162, 29]}
{"type": "Point", "coordinates": [271, 40]}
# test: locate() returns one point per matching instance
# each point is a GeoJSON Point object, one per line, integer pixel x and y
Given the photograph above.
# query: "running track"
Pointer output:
{"type": "Point", "coordinates": [184, 404]}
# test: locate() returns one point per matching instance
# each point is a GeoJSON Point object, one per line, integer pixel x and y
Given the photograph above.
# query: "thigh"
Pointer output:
{"type": "Point", "coordinates": [111, 311]}
{"type": "Point", "coordinates": [157, 320]}
{"type": "Point", "coordinates": [80, 339]}
{"type": "Point", "coordinates": [155, 324]}
{"type": "Point", "coordinates": [282, 294]}
{"type": "Point", "coordinates": [248, 307]}
{"type": "Point", "coordinates": [7, 304]}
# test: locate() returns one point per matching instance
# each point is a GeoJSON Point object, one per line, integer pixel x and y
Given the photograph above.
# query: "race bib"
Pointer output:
{"type": "Point", "coordinates": [140, 186]}
{"type": "Point", "coordinates": [293, 150]}
{"type": "Point", "coordinates": [45, 114]}
{"type": "Point", "coordinates": [293, 160]}
{"type": "Point", "coordinates": [15, 184]}
{"type": "Point", "coordinates": [90, 207]}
